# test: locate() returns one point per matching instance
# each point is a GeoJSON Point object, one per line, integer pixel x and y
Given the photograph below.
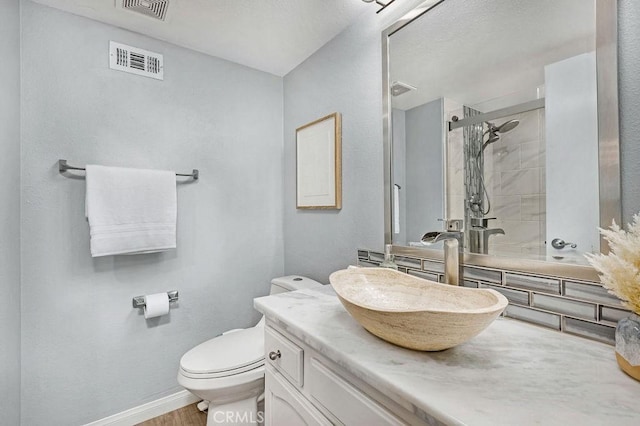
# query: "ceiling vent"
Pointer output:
{"type": "Point", "coordinates": [398, 88]}
{"type": "Point", "coordinates": [156, 9]}
{"type": "Point", "coordinates": [135, 61]}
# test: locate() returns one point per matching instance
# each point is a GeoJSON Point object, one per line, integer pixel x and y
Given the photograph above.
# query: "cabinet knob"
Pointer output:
{"type": "Point", "coordinates": [274, 355]}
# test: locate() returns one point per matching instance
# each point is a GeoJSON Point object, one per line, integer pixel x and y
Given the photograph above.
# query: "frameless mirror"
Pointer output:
{"type": "Point", "coordinates": [501, 121]}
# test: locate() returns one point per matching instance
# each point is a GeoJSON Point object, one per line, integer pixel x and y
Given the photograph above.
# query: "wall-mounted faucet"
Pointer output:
{"type": "Point", "coordinates": [453, 252]}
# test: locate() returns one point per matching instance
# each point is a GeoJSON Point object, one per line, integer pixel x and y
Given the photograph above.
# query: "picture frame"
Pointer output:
{"type": "Point", "coordinates": [319, 164]}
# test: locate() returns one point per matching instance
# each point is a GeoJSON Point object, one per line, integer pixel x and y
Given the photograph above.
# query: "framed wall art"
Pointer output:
{"type": "Point", "coordinates": [319, 164]}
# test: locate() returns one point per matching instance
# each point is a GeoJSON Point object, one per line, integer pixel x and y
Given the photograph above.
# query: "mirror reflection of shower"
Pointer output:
{"type": "Point", "coordinates": [480, 195]}
{"type": "Point", "coordinates": [501, 156]}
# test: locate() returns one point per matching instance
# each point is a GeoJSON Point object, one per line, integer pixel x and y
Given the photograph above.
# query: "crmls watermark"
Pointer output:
{"type": "Point", "coordinates": [241, 417]}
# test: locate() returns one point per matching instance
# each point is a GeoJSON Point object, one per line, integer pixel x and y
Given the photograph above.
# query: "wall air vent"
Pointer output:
{"type": "Point", "coordinates": [156, 9]}
{"type": "Point", "coordinates": [398, 88]}
{"type": "Point", "coordinates": [135, 61]}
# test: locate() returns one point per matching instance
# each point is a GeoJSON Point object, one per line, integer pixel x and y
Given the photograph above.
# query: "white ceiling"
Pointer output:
{"type": "Point", "coordinates": [474, 51]}
{"type": "Point", "coordinates": [270, 35]}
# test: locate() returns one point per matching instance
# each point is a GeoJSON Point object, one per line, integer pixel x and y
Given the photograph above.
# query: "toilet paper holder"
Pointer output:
{"type": "Point", "coordinates": [138, 301]}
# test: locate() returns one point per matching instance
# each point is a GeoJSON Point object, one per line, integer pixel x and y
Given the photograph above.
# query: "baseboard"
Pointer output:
{"type": "Point", "coordinates": [149, 410]}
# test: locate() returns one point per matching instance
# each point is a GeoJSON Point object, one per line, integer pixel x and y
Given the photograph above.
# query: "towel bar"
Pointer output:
{"type": "Point", "coordinates": [138, 301]}
{"type": "Point", "coordinates": [63, 167]}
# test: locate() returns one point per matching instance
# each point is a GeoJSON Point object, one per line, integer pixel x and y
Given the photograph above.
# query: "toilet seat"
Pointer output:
{"type": "Point", "coordinates": [226, 355]}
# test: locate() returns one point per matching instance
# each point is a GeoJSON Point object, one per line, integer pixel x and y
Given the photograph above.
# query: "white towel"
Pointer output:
{"type": "Point", "coordinates": [396, 209]}
{"type": "Point", "coordinates": [130, 211]}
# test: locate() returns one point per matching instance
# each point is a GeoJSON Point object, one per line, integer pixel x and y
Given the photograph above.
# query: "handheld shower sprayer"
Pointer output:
{"type": "Point", "coordinates": [494, 135]}
{"type": "Point", "coordinates": [494, 131]}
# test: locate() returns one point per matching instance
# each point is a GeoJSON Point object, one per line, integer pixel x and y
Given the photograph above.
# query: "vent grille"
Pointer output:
{"type": "Point", "coordinates": [398, 88]}
{"type": "Point", "coordinates": [135, 61]}
{"type": "Point", "coordinates": [156, 9]}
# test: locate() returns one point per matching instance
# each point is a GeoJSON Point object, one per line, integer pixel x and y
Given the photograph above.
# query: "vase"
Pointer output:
{"type": "Point", "coordinates": [628, 345]}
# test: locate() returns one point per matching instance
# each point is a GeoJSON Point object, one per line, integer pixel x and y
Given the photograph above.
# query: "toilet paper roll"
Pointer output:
{"type": "Point", "coordinates": [156, 305]}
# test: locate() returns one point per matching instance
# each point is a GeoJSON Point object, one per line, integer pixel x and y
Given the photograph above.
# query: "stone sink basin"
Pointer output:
{"type": "Point", "coordinates": [412, 312]}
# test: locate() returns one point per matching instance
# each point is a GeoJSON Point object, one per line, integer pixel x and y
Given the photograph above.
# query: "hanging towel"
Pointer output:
{"type": "Point", "coordinates": [130, 211]}
{"type": "Point", "coordinates": [396, 209]}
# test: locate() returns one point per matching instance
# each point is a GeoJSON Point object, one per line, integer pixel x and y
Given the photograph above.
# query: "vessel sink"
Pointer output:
{"type": "Point", "coordinates": [413, 312]}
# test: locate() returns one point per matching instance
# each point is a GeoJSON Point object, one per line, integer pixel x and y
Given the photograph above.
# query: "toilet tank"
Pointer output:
{"type": "Point", "coordinates": [291, 283]}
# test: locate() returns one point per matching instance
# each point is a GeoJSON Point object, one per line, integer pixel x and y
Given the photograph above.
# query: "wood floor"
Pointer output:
{"type": "Point", "coordinates": [185, 416]}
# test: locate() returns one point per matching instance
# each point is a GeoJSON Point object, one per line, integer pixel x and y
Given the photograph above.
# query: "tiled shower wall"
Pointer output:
{"type": "Point", "coordinates": [514, 172]}
{"type": "Point", "coordinates": [515, 178]}
{"type": "Point", "coordinates": [581, 308]}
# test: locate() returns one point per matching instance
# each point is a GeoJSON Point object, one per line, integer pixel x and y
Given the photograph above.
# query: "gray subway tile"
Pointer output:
{"type": "Point", "coordinates": [432, 266]}
{"type": "Point", "coordinates": [425, 275]}
{"type": "Point", "coordinates": [469, 283]}
{"type": "Point", "coordinates": [408, 262]}
{"type": "Point", "coordinates": [547, 285]}
{"type": "Point", "coordinates": [613, 315]}
{"type": "Point", "coordinates": [601, 332]}
{"type": "Point", "coordinates": [375, 256]}
{"type": "Point", "coordinates": [482, 274]}
{"type": "Point", "coordinates": [564, 306]}
{"type": "Point", "coordinates": [514, 296]}
{"type": "Point", "coordinates": [547, 310]}
{"type": "Point", "coordinates": [366, 264]}
{"type": "Point", "coordinates": [592, 292]}
{"type": "Point", "coordinates": [534, 316]}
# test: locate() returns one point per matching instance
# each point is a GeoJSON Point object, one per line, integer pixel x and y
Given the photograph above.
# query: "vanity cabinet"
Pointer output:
{"type": "Point", "coordinates": [284, 405]}
{"type": "Point", "coordinates": [348, 376]}
{"type": "Point", "coordinates": [303, 387]}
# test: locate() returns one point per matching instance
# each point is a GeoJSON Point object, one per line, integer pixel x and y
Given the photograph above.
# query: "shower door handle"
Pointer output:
{"type": "Point", "coordinates": [559, 244]}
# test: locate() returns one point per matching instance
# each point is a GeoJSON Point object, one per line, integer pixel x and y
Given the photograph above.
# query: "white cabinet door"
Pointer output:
{"type": "Point", "coordinates": [284, 405]}
{"type": "Point", "coordinates": [344, 401]}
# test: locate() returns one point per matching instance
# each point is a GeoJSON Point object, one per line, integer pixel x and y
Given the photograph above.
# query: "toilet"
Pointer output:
{"type": "Point", "coordinates": [227, 372]}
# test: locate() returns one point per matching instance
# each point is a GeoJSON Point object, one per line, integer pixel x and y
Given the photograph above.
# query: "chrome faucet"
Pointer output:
{"type": "Point", "coordinates": [453, 252]}
{"type": "Point", "coordinates": [479, 234]}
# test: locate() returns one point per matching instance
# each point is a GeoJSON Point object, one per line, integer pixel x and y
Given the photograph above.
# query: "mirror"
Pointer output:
{"type": "Point", "coordinates": [501, 121]}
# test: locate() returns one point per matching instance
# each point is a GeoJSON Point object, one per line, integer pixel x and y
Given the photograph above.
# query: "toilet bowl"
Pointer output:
{"type": "Point", "coordinates": [227, 372]}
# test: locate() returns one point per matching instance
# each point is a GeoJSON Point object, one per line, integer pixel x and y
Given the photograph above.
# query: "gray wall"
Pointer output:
{"type": "Point", "coordinates": [399, 138]}
{"type": "Point", "coordinates": [629, 90]}
{"type": "Point", "coordinates": [344, 76]}
{"type": "Point", "coordinates": [424, 180]}
{"type": "Point", "coordinates": [417, 168]}
{"type": "Point", "coordinates": [86, 352]}
{"type": "Point", "coordinates": [10, 212]}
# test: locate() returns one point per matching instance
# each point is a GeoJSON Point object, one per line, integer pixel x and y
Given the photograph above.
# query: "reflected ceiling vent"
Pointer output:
{"type": "Point", "coordinates": [398, 88]}
{"type": "Point", "coordinates": [156, 9]}
{"type": "Point", "coordinates": [135, 61]}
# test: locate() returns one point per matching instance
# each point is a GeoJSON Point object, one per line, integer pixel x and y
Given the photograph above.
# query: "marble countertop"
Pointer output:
{"type": "Point", "coordinates": [511, 374]}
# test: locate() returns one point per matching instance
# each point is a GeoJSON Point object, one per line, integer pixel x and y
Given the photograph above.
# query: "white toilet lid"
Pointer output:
{"type": "Point", "coordinates": [230, 353]}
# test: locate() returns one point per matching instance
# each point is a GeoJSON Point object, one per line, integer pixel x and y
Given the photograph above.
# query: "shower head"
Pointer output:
{"type": "Point", "coordinates": [493, 131]}
{"type": "Point", "coordinates": [508, 126]}
{"type": "Point", "coordinates": [505, 127]}
{"type": "Point", "coordinates": [493, 137]}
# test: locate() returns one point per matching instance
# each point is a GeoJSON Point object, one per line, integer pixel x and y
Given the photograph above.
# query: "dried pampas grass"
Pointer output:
{"type": "Point", "coordinates": [620, 269]}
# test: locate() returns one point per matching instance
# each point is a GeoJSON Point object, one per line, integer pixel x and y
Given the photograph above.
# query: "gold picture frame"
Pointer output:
{"type": "Point", "coordinates": [319, 164]}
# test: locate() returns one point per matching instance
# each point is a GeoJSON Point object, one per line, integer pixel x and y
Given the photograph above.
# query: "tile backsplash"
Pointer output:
{"type": "Point", "coordinates": [581, 308]}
